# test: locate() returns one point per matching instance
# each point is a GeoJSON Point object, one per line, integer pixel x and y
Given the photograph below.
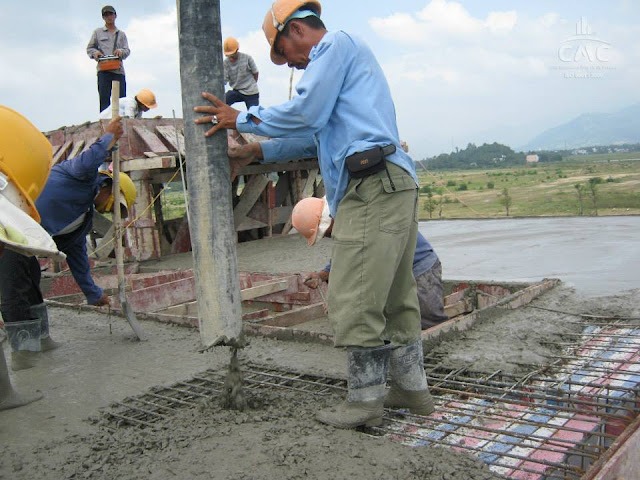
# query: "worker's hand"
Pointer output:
{"type": "Point", "coordinates": [97, 55]}
{"type": "Point", "coordinates": [118, 52]}
{"type": "Point", "coordinates": [316, 278]}
{"type": "Point", "coordinates": [115, 127]}
{"type": "Point", "coordinates": [242, 155]}
{"type": "Point", "coordinates": [218, 113]}
{"type": "Point", "coordinates": [102, 301]}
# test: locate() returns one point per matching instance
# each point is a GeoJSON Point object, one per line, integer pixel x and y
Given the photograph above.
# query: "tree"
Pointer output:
{"type": "Point", "coordinates": [430, 204]}
{"type": "Point", "coordinates": [580, 191]}
{"type": "Point", "coordinates": [506, 200]}
{"type": "Point", "coordinates": [593, 191]}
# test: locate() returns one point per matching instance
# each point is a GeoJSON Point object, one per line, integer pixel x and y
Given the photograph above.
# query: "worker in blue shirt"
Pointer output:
{"type": "Point", "coordinates": [74, 188]}
{"type": "Point", "coordinates": [344, 105]}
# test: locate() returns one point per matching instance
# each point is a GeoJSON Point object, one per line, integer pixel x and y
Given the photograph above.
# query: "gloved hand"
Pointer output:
{"type": "Point", "coordinates": [316, 278]}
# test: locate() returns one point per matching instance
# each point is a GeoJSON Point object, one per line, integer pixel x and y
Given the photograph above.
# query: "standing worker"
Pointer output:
{"type": "Point", "coordinates": [74, 188]}
{"type": "Point", "coordinates": [133, 107]}
{"type": "Point", "coordinates": [109, 47]}
{"type": "Point", "coordinates": [241, 73]}
{"type": "Point", "coordinates": [25, 159]}
{"type": "Point", "coordinates": [344, 105]}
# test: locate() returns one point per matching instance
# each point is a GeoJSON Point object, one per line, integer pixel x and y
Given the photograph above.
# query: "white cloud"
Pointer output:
{"type": "Point", "coordinates": [501, 22]}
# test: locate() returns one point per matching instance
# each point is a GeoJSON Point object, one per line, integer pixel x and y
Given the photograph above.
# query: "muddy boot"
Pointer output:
{"type": "Point", "coordinates": [24, 337]}
{"type": "Point", "coordinates": [46, 342]}
{"type": "Point", "coordinates": [9, 398]}
{"type": "Point", "coordinates": [409, 387]}
{"type": "Point", "coordinates": [367, 373]}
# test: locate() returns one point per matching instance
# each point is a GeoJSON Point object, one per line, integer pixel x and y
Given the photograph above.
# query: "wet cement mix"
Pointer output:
{"type": "Point", "coordinates": [275, 435]}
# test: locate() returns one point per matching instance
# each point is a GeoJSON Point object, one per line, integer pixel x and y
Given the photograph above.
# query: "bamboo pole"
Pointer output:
{"type": "Point", "coordinates": [117, 223]}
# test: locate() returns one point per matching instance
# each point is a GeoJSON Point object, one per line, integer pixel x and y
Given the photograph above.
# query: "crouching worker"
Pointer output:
{"type": "Point", "coordinates": [25, 159]}
{"type": "Point", "coordinates": [310, 217]}
{"type": "Point", "coordinates": [74, 188]}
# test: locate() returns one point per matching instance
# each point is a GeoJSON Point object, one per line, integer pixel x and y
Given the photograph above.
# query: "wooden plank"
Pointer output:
{"type": "Point", "coordinates": [168, 132]}
{"type": "Point", "coordinates": [295, 316]}
{"type": "Point", "coordinates": [458, 308]}
{"type": "Point", "coordinates": [250, 224]}
{"type": "Point", "coordinates": [264, 289]}
{"type": "Point", "coordinates": [260, 213]}
{"type": "Point", "coordinates": [150, 139]}
{"type": "Point", "coordinates": [76, 149]}
{"type": "Point", "coordinates": [279, 167]}
{"type": "Point", "coordinates": [159, 297]}
{"type": "Point", "coordinates": [309, 187]}
{"type": "Point", "coordinates": [160, 161]}
{"type": "Point", "coordinates": [250, 194]}
{"type": "Point", "coordinates": [106, 245]}
{"type": "Point", "coordinates": [62, 152]}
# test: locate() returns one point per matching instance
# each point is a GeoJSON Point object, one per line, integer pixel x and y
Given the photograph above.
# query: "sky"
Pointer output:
{"type": "Point", "coordinates": [460, 72]}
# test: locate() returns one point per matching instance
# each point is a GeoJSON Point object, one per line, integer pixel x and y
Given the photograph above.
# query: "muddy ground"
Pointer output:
{"type": "Point", "coordinates": [64, 435]}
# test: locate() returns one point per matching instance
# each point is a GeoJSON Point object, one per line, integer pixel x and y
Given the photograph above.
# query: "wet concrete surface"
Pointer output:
{"type": "Point", "coordinates": [594, 255]}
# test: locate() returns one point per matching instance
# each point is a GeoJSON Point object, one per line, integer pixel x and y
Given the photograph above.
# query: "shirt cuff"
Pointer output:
{"type": "Point", "coordinates": [244, 124]}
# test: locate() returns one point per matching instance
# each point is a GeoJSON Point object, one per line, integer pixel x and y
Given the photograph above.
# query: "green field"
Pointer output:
{"type": "Point", "coordinates": [535, 190]}
{"type": "Point", "coordinates": [547, 189]}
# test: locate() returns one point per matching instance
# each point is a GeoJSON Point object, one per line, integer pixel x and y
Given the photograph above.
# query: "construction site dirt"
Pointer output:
{"type": "Point", "coordinates": [117, 408]}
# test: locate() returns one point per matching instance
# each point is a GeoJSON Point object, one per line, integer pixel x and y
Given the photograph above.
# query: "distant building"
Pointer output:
{"type": "Point", "coordinates": [532, 158]}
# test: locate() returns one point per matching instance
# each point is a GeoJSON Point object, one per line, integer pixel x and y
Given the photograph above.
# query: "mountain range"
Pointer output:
{"type": "Point", "coordinates": [591, 129]}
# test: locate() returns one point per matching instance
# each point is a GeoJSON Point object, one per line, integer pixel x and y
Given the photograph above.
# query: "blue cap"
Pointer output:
{"type": "Point", "coordinates": [301, 14]}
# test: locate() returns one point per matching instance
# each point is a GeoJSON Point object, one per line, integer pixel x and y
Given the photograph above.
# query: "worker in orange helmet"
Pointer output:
{"type": "Point", "coordinates": [310, 217]}
{"type": "Point", "coordinates": [241, 73]}
{"type": "Point", "coordinates": [133, 107]}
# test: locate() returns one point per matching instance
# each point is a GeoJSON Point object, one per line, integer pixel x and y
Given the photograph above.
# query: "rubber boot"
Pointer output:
{"type": "Point", "coordinates": [24, 337]}
{"type": "Point", "coordinates": [409, 387]}
{"type": "Point", "coordinates": [46, 342]}
{"type": "Point", "coordinates": [9, 398]}
{"type": "Point", "coordinates": [367, 374]}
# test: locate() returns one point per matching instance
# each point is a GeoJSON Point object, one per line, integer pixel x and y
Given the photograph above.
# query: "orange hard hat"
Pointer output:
{"type": "Point", "coordinates": [310, 217]}
{"type": "Point", "coordinates": [277, 17]}
{"type": "Point", "coordinates": [230, 46]}
{"type": "Point", "coordinates": [147, 98]}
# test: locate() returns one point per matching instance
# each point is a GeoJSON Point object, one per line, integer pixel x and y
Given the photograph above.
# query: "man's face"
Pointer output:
{"type": "Point", "coordinates": [233, 57]}
{"type": "Point", "coordinates": [109, 18]}
{"type": "Point", "coordinates": [293, 48]}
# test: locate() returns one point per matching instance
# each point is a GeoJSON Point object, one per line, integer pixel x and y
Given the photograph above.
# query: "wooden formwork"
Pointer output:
{"type": "Point", "coordinates": [152, 151]}
{"type": "Point", "coordinates": [281, 306]}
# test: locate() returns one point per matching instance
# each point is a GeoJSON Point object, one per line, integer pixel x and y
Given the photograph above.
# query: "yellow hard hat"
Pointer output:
{"type": "Point", "coordinates": [230, 46]}
{"type": "Point", "coordinates": [127, 188]}
{"type": "Point", "coordinates": [278, 16]}
{"type": "Point", "coordinates": [147, 98]}
{"type": "Point", "coordinates": [25, 158]}
{"type": "Point", "coordinates": [310, 217]}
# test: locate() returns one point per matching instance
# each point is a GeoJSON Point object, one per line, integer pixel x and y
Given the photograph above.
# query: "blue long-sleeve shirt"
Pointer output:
{"type": "Point", "coordinates": [68, 194]}
{"type": "Point", "coordinates": [343, 104]}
